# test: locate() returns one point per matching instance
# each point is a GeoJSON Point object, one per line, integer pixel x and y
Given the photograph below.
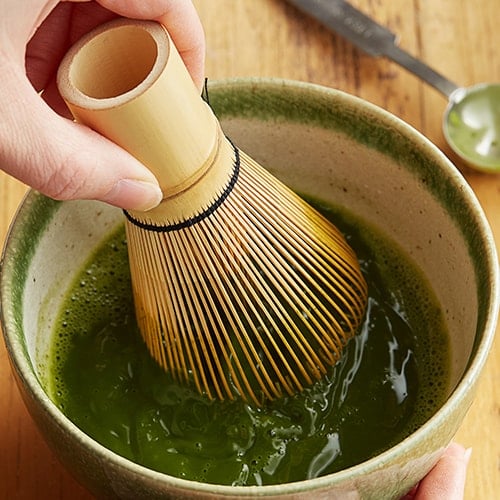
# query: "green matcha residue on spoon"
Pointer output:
{"type": "Point", "coordinates": [471, 123]}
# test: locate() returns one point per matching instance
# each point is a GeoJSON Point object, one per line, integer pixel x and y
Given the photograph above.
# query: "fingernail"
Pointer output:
{"type": "Point", "coordinates": [133, 194]}
{"type": "Point", "coordinates": [467, 454]}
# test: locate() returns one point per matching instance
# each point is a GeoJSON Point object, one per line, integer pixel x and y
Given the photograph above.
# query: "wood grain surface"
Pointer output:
{"type": "Point", "coordinates": [459, 38]}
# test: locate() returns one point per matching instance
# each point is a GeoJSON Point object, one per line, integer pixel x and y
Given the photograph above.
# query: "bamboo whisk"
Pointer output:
{"type": "Point", "coordinates": [240, 287]}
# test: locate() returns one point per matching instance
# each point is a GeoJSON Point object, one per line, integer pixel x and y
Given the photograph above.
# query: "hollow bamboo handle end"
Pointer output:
{"type": "Point", "coordinates": [127, 81]}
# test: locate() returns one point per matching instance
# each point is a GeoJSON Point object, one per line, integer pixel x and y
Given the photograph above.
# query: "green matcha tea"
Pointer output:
{"type": "Point", "coordinates": [391, 378]}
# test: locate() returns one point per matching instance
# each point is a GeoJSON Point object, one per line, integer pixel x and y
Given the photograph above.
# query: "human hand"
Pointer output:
{"type": "Point", "coordinates": [446, 481]}
{"type": "Point", "coordinates": [39, 143]}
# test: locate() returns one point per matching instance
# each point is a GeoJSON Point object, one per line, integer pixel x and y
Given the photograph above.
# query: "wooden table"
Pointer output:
{"type": "Point", "coordinates": [269, 38]}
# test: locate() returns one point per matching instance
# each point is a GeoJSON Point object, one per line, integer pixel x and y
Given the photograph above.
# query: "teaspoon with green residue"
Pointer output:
{"type": "Point", "coordinates": [471, 123]}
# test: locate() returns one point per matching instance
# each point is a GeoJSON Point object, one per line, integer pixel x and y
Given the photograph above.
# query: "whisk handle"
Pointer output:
{"type": "Point", "coordinates": [127, 81]}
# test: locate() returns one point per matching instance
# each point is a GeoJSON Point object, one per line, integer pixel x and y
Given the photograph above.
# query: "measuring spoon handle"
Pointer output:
{"type": "Point", "coordinates": [371, 37]}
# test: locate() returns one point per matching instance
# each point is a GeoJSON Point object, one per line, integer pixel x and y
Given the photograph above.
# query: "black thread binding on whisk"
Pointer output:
{"type": "Point", "coordinates": [197, 218]}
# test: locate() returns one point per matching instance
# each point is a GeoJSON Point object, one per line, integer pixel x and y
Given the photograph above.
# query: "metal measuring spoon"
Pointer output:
{"type": "Point", "coordinates": [471, 123]}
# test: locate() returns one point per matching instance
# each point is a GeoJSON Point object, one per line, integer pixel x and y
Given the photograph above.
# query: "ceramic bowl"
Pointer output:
{"type": "Point", "coordinates": [338, 149]}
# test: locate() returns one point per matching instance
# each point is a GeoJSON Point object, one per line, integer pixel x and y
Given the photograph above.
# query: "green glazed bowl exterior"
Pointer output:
{"type": "Point", "coordinates": [338, 149]}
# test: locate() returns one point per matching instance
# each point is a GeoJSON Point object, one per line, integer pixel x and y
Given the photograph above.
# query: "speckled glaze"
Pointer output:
{"type": "Point", "coordinates": [338, 149]}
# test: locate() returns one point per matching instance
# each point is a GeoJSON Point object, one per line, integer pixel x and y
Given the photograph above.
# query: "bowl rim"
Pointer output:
{"type": "Point", "coordinates": [25, 371]}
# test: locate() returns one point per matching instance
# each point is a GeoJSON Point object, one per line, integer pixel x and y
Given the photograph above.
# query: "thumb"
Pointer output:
{"type": "Point", "coordinates": [447, 480]}
{"type": "Point", "coordinates": [65, 160]}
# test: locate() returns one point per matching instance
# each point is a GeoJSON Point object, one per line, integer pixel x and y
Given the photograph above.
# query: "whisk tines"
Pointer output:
{"type": "Point", "coordinates": [241, 315]}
